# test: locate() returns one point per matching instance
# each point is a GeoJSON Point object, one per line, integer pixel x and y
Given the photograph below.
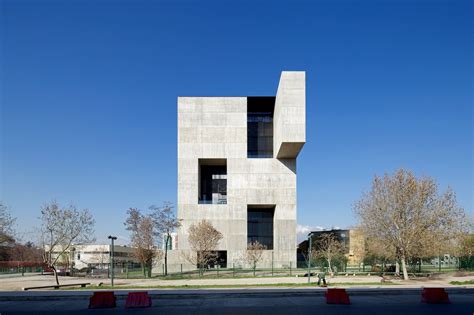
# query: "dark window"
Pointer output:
{"type": "Point", "coordinates": [212, 181]}
{"type": "Point", "coordinates": [260, 127]}
{"type": "Point", "coordinates": [214, 258]}
{"type": "Point", "coordinates": [260, 225]}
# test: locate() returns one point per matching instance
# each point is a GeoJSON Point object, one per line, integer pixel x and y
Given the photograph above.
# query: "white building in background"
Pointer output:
{"type": "Point", "coordinates": [97, 256]}
{"type": "Point", "coordinates": [237, 169]}
{"type": "Point", "coordinates": [172, 244]}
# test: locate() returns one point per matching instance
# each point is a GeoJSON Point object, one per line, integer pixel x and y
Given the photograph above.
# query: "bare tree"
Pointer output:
{"type": "Point", "coordinates": [409, 215]}
{"type": "Point", "coordinates": [254, 254]}
{"type": "Point", "coordinates": [165, 223]}
{"type": "Point", "coordinates": [26, 253]}
{"type": "Point", "coordinates": [203, 240]}
{"type": "Point", "coordinates": [62, 227]}
{"type": "Point", "coordinates": [143, 238]}
{"type": "Point", "coordinates": [6, 225]}
{"type": "Point", "coordinates": [328, 247]}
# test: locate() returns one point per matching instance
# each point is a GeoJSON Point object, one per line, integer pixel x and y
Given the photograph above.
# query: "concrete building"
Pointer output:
{"type": "Point", "coordinates": [237, 169]}
{"type": "Point", "coordinates": [172, 243]}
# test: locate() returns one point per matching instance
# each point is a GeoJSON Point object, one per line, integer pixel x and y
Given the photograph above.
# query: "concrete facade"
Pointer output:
{"type": "Point", "coordinates": [216, 128]}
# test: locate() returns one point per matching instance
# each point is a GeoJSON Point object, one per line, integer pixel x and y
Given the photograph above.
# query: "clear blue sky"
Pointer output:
{"type": "Point", "coordinates": [89, 89]}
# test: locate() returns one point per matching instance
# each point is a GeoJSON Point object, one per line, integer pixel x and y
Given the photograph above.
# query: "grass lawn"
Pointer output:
{"type": "Point", "coordinates": [222, 286]}
{"type": "Point", "coordinates": [462, 282]}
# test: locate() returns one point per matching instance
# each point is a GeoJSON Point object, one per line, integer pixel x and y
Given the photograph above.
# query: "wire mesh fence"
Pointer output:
{"type": "Point", "coordinates": [183, 270]}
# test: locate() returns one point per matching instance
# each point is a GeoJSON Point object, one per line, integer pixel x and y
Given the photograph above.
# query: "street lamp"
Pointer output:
{"type": "Point", "coordinates": [73, 251]}
{"type": "Point", "coordinates": [111, 268]}
{"type": "Point", "coordinates": [309, 256]}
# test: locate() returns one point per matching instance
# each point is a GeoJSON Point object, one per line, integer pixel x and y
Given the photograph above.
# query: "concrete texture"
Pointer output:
{"type": "Point", "coordinates": [216, 128]}
{"type": "Point", "coordinates": [290, 115]}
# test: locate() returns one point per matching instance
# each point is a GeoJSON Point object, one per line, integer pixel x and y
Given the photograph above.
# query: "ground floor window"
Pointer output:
{"type": "Point", "coordinates": [213, 259]}
{"type": "Point", "coordinates": [260, 225]}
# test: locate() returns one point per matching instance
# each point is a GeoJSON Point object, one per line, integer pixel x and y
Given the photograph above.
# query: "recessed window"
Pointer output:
{"type": "Point", "coordinates": [217, 259]}
{"type": "Point", "coordinates": [260, 127]}
{"type": "Point", "coordinates": [212, 181]}
{"type": "Point", "coordinates": [260, 225]}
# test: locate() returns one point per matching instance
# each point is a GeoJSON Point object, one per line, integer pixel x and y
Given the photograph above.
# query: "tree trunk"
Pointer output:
{"type": "Point", "coordinates": [149, 270]}
{"type": "Point", "coordinates": [404, 269]}
{"type": "Point", "coordinates": [397, 268]}
{"type": "Point", "coordinates": [329, 267]}
{"type": "Point", "coordinates": [55, 274]}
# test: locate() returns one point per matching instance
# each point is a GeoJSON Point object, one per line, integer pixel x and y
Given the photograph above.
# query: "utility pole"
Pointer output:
{"type": "Point", "coordinates": [309, 257]}
{"type": "Point", "coordinates": [111, 268]}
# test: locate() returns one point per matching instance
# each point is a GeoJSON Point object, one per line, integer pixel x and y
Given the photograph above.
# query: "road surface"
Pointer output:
{"type": "Point", "coordinates": [259, 303]}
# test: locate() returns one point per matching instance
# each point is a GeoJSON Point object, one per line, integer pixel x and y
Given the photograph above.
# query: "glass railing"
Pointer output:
{"type": "Point", "coordinates": [220, 200]}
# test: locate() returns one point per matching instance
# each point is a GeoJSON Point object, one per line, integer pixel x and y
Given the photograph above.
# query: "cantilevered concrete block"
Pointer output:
{"type": "Point", "coordinates": [289, 119]}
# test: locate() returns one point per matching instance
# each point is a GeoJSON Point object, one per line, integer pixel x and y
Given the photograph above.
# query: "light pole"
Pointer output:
{"type": "Point", "coordinates": [309, 258]}
{"type": "Point", "coordinates": [111, 268]}
{"type": "Point", "coordinates": [73, 251]}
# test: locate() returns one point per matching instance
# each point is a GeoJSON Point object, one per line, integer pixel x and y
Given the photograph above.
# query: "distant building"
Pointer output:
{"type": "Point", "coordinates": [353, 239]}
{"type": "Point", "coordinates": [447, 261]}
{"type": "Point", "coordinates": [173, 244]}
{"type": "Point", "coordinates": [97, 256]}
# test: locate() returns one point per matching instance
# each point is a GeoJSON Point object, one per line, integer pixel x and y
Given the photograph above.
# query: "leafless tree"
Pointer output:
{"type": "Point", "coordinates": [165, 222]}
{"type": "Point", "coordinates": [254, 254]}
{"type": "Point", "coordinates": [143, 238]}
{"type": "Point", "coordinates": [6, 225]}
{"type": "Point", "coordinates": [328, 247]}
{"type": "Point", "coordinates": [203, 241]}
{"type": "Point", "coordinates": [27, 252]}
{"type": "Point", "coordinates": [409, 215]}
{"type": "Point", "coordinates": [62, 227]}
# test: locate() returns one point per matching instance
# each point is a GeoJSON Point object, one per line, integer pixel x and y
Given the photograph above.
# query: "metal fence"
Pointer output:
{"type": "Point", "coordinates": [274, 269]}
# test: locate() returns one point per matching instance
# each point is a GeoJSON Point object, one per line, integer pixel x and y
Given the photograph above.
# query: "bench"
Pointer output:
{"type": "Point", "coordinates": [57, 286]}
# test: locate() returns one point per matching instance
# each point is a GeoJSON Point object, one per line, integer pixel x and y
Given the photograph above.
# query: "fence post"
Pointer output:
{"type": "Point", "coordinates": [290, 268]}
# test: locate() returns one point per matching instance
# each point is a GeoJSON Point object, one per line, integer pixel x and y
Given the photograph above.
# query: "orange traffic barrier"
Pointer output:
{"type": "Point", "coordinates": [337, 296]}
{"type": "Point", "coordinates": [102, 299]}
{"type": "Point", "coordinates": [138, 299]}
{"type": "Point", "coordinates": [434, 296]}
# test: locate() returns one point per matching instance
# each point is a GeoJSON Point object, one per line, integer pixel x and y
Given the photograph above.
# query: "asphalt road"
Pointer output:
{"type": "Point", "coordinates": [361, 304]}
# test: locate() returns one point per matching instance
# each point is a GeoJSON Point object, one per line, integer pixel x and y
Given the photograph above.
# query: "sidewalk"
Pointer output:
{"type": "Point", "coordinates": [17, 283]}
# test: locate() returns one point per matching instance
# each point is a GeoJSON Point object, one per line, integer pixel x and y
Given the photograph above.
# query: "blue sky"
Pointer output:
{"type": "Point", "coordinates": [89, 89]}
